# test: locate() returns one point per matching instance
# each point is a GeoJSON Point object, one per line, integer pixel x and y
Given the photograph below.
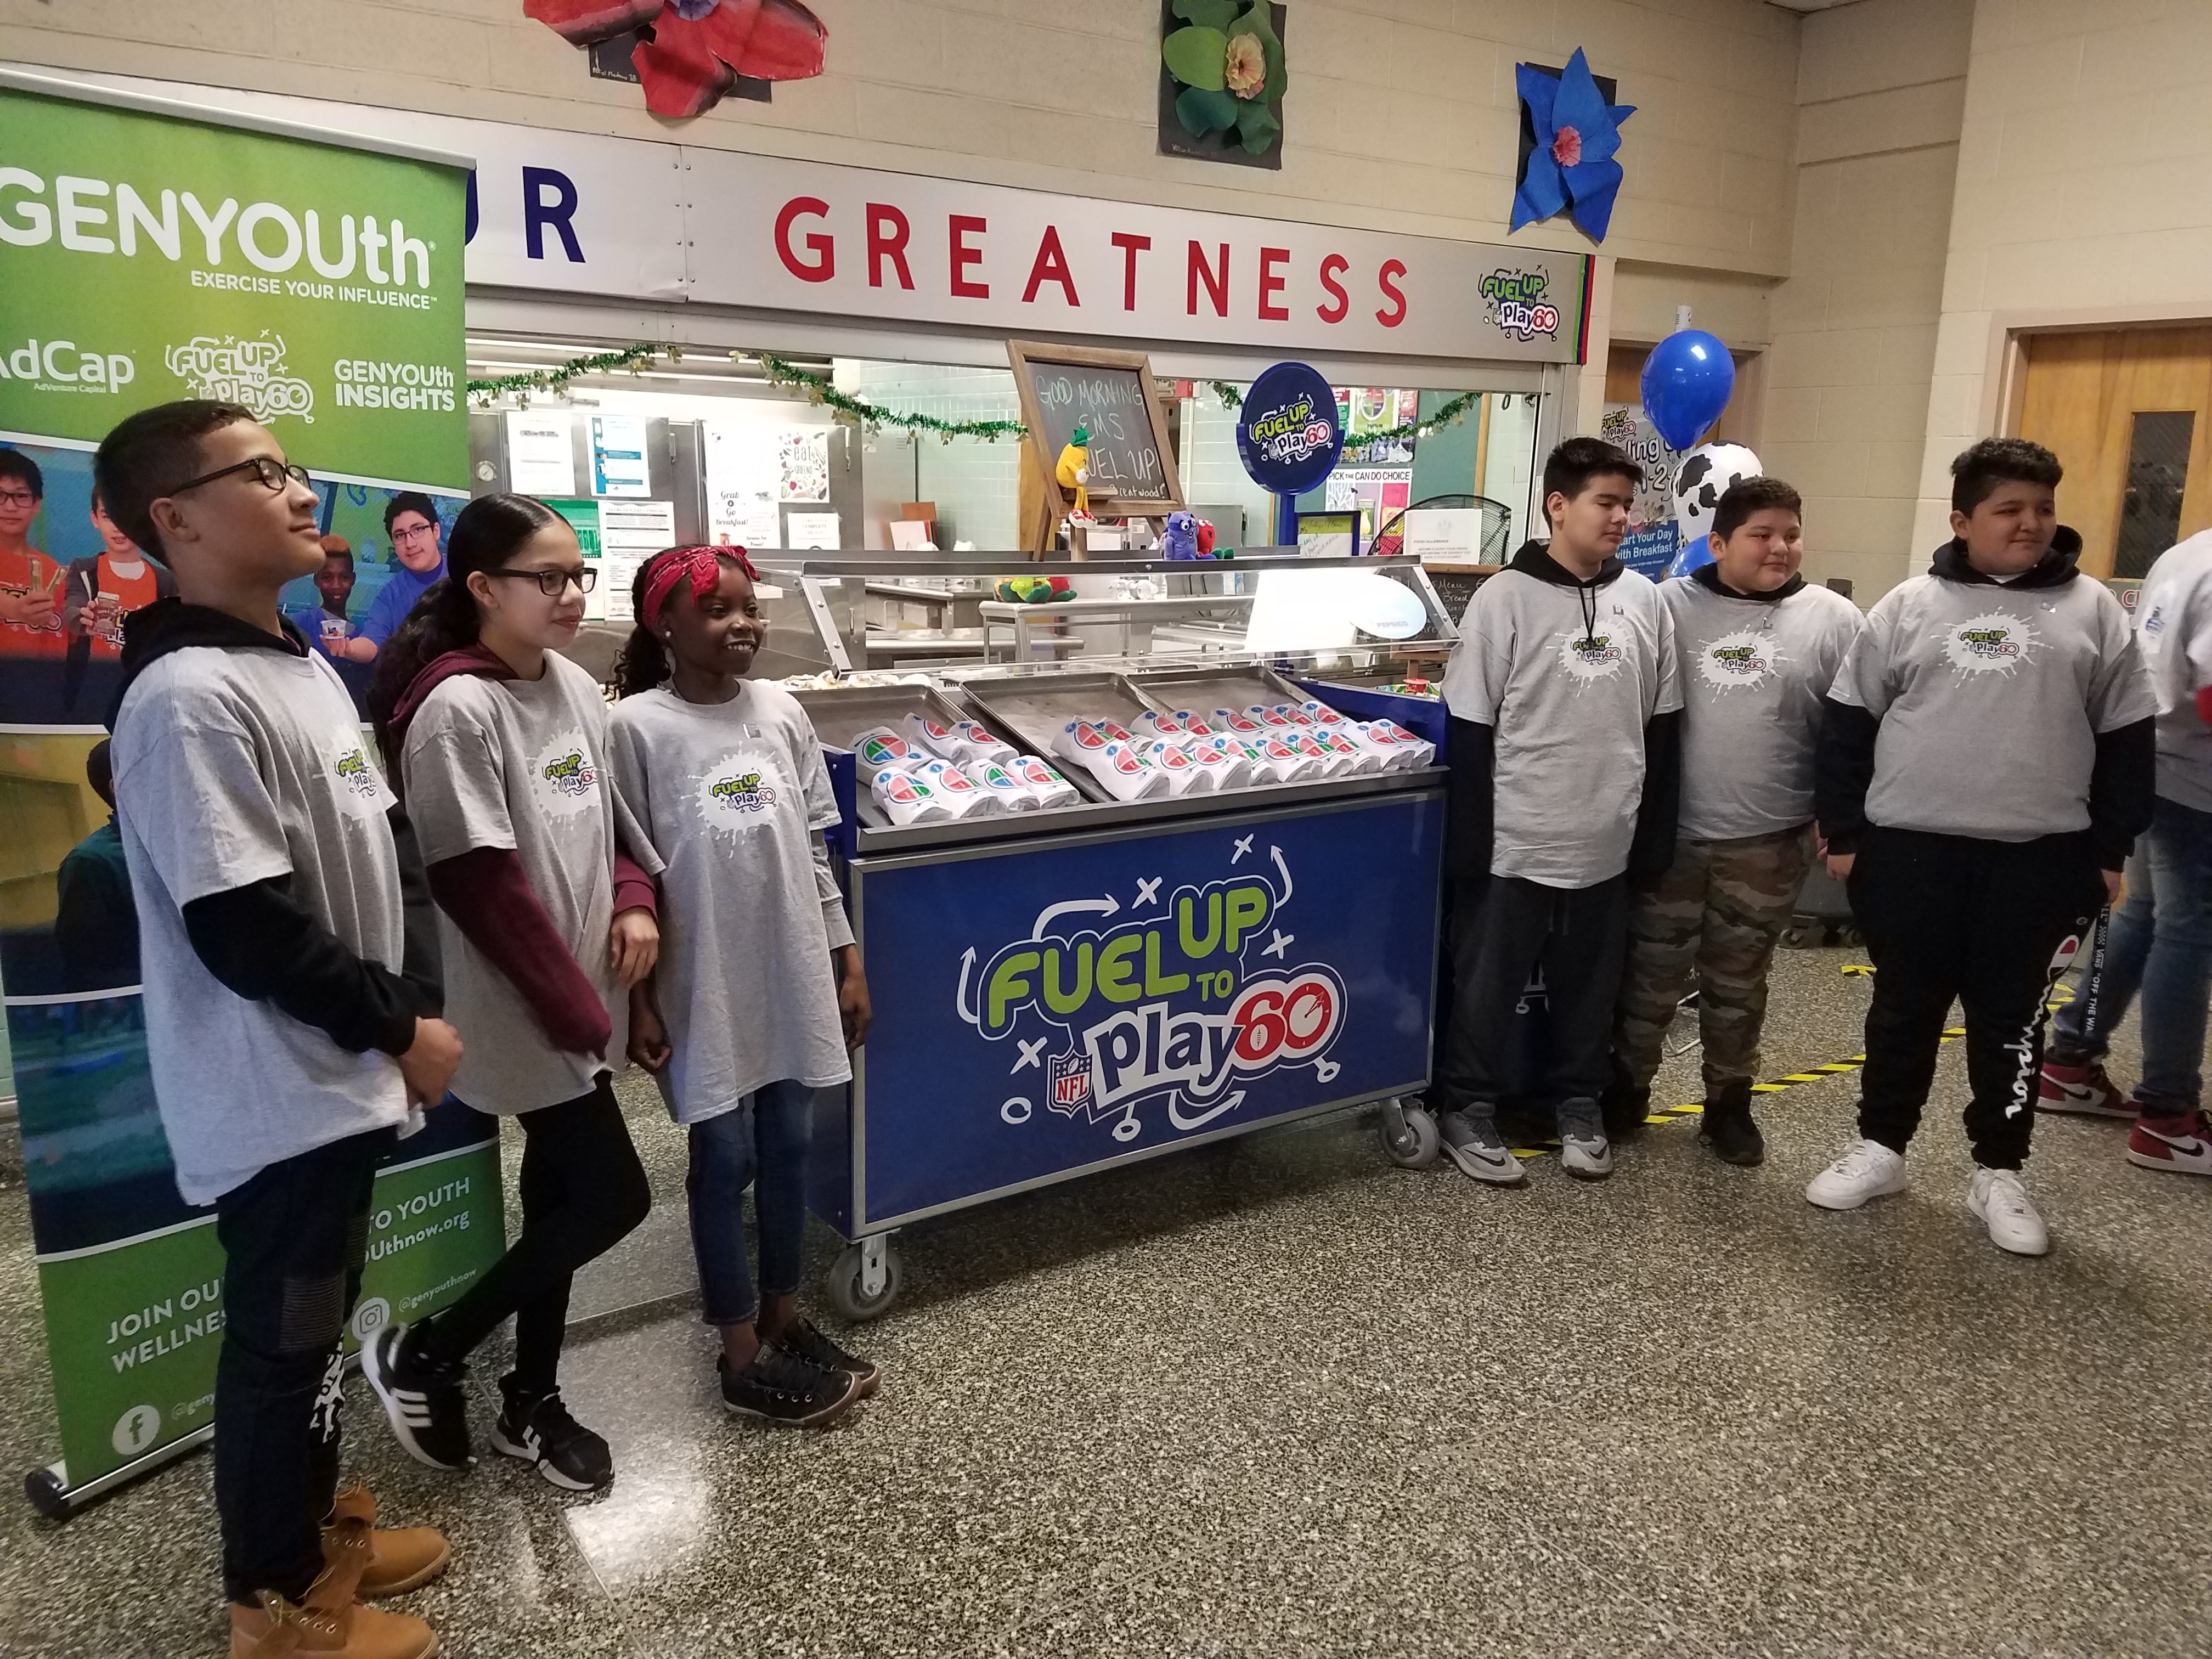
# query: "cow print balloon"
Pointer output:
{"type": "Point", "coordinates": [1702, 479]}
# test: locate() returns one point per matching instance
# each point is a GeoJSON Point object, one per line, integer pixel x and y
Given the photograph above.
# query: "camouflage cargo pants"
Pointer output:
{"type": "Point", "coordinates": [1714, 916]}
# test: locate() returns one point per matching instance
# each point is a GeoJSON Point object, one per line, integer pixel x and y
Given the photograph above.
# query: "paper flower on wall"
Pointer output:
{"type": "Point", "coordinates": [697, 48]}
{"type": "Point", "coordinates": [1578, 134]}
{"type": "Point", "coordinates": [1229, 66]}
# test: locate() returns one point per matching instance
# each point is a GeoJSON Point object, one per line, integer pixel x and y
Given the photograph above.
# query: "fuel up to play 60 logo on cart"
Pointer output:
{"type": "Point", "coordinates": [1189, 995]}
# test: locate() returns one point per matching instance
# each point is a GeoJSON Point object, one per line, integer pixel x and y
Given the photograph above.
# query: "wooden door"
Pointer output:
{"type": "Point", "coordinates": [2129, 413]}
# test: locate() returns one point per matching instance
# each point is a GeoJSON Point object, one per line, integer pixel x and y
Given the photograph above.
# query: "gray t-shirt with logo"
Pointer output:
{"type": "Point", "coordinates": [1991, 698]}
{"type": "Point", "coordinates": [234, 764]}
{"type": "Point", "coordinates": [1569, 713]}
{"type": "Point", "coordinates": [735, 796]}
{"type": "Point", "coordinates": [1753, 672]}
{"type": "Point", "coordinates": [2174, 627]}
{"type": "Point", "coordinates": [522, 765]}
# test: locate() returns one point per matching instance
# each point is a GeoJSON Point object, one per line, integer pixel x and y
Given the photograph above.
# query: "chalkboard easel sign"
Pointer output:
{"type": "Point", "coordinates": [1132, 472]}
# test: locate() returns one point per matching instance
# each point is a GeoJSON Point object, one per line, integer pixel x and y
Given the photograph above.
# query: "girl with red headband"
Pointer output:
{"type": "Point", "coordinates": [546, 920]}
{"type": "Point", "coordinates": [759, 993]}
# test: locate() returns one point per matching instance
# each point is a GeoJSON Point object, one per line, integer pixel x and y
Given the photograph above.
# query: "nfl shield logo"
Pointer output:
{"type": "Point", "coordinates": [1071, 1082]}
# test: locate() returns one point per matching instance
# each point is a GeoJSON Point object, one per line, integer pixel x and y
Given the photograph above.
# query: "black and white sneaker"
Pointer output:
{"type": "Point", "coordinates": [800, 1338]}
{"type": "Point", "coordinates": [539, 1430]}
{"type": "Point", "coordinates": [779, 1386]}
{"type": "Point", "coordinates": [424, 1402]}
{"type": "Point", "coordinates": [1471, 1140]}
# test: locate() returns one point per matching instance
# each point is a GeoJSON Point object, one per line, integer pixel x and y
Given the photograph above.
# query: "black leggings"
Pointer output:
{"type": "Point", "coordinates": [583, 1188]}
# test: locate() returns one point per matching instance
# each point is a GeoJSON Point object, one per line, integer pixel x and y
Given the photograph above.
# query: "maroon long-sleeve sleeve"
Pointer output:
{"type": "Point", "coordinates": [488, 895]}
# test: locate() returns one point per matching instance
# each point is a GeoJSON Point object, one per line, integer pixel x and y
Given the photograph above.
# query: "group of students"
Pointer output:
{"type": "Point", "coordinates": [1642, 774]}
{"type": "Point", "coordinates": [520, 889]}
{"type": "Point", "coordinates": [523, 885]}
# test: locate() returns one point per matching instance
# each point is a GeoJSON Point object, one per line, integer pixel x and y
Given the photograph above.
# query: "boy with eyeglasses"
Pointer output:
{"type": "Point", "coordinates": [30, 582]}
{"type": "Point", "coordinates": [289, 956]}
{"type": "Point", "coordinates": [411, 518]}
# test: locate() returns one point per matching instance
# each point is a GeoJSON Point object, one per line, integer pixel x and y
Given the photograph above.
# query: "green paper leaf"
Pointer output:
{"type": "Point", "coordinates": [1201, 111]}
{"type": "Point", "coordinates": [1260, 21]}
{"type": "Point", "coordinates": [1196, 57]}
{"type": "Point", "coordinates": [1206, 14]}
{"type": "Point", "coordinates": [1258, 126]}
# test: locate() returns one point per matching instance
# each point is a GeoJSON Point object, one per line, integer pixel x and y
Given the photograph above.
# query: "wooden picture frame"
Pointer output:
{"type": "Point", "coordinates": [1025, 357]}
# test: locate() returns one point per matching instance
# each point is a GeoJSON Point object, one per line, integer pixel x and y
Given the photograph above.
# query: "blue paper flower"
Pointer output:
{"type": "Point", "coordinates": [1578, 134]}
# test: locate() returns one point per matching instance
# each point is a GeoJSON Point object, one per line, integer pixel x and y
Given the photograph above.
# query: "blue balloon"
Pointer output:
{"type": "Point", "coordinates": [1686, 382]}
{"type": "Point", "coordinates": [1691, 555]}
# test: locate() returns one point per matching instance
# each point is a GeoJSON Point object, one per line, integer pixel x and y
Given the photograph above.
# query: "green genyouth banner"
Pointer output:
{"type": "Point", "coordinates": [146, 257]}
{"type": "Point", "coordinates": [149, 252]}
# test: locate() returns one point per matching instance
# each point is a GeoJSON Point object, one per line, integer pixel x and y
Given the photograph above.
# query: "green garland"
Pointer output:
{"type": "Point", "coordinates": [1450, 414]}
{"type": "Point", "coordinates": [819, 389]}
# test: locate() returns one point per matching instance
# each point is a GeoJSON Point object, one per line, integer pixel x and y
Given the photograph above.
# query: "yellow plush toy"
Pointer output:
{"type": "Point", "coordinates": [1074, 473]}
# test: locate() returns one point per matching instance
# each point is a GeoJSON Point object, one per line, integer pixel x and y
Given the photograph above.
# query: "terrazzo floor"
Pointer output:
{"type": "Point", "coordinates": [1278, 1397]}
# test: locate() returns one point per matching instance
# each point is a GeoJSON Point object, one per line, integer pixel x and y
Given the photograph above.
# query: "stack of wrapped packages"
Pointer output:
{"type": "Point", "coordinates": [1183, 753]}
{"type": "Point", "coordinates": [931, 773]}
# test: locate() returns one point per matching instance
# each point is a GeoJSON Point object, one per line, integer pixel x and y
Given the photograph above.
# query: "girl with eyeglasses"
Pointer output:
{"type": "Point", "coordinates": [544, 884]}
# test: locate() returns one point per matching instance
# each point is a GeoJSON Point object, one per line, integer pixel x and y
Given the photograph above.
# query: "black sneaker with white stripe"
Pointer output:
{"type": "Point", "coordinates": [800, 1338]}
{"type": "Point", "coordinates": [538, 1430]}
{"type": "Point", "coordinates": [423, 1400]}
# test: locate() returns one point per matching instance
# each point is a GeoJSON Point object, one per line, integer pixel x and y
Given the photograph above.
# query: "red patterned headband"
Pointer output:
{"type": "Point", "coordinates": [701, 565]}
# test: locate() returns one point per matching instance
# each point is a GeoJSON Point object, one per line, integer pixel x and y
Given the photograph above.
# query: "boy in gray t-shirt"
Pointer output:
{"type": "Point", "coordinates": [1757, 649]}
{"type": "Point", "coordinates": [292, 993]}
{"type": "Point", "coordinates": [1564, 706]}
{"type": "Point", "coordinates": [1985, 765]}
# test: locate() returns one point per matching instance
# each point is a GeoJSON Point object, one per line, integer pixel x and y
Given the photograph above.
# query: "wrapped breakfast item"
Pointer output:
{"type": "Point", "coordinates": [1321, 713]}
{"type": "Point", "coordinates": [1050, 788]}
{"type": "Point", "coordinates": [1380, 744]}
{"type": "Point", "coordinates": [1186, 776]}
{"type": "Point", "coordinates": [907, 799]}
{"type": "Point", "coordinates": [1224, 758]}
{"type": "Point", "coordinates": [1078, 740]}
{"type": "Point", "coordinates": [1332, 765]}
{"type": "Point", "coordinates": [964, 798]}
{"type": "Point", "coordinates": [986, 743]}
{"type": "Point", "coordinates": [878, 748]}
{"type": "Point", "coordinates": [1126, 775]}
{"type": "Point", "coordinates": [1153, 727]}
{"type": "Point", "coordinates": [1423, 752]}
{"type": "Point", "coordinates": [1238, 725]}
{"type": "Point", "coordinates": [1013, 792]}
{"type": "Point", "coordinates": [1338, 740]}
{"type": "Point", "coordinates": [1287, 763]}
{"type": "Point", "coordinates": [1274, 718]}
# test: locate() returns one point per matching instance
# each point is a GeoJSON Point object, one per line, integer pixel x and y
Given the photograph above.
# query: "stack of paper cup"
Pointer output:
{"type": "Point", "coordinates": [1014, 793]}
{"type": "Point", "coordinates": [906, 798]}
{"type": "Point", "coordinates": [1050, 788]}
{"type": "Point", "coordinates": [1225, 758]}
{"type": "Point", "coordinates": [1186, 776]}
{"type": "Point", "coordinates": [964, 798]}
{"type": "Point", "coordinates": [878, 748]}
{"type": "Point", "coordinates": [1125, 773]}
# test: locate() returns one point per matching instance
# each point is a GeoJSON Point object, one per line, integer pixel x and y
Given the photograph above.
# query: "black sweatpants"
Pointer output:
{"type": "Point", "coordinates": [582, 1190]}
{"type": "Point", "coordinates": [293, 1238]}
{"type": "Point", "coordinates": [1992, 923]}
{"type": "Point", "coordinates": [1504, 928]}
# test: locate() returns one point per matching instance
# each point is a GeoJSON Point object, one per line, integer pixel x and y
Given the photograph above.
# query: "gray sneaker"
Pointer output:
{"type": "Point", "coordinates": [1471, 1141]}
{"type": "Point", "coordinates": [1584, 1152]}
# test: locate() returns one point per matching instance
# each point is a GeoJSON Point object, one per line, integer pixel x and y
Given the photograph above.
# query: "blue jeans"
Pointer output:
{"type": "Point", "coordinates": [2161, 945]}
{"type": "Point", "coordinates": [761, 1143]}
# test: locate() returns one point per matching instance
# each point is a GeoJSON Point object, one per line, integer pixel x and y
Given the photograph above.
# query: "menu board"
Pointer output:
{"type": "Point", "coordinates": [1111, 394]}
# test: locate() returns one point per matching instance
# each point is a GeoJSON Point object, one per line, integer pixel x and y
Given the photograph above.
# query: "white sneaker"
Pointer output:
{"type": "Point", "coordinates": [2002, 1205]}
{"type": "Point", "coordinates": [1584, 1152]}
{"type": "Point", "coordinates": [1868, 1170]}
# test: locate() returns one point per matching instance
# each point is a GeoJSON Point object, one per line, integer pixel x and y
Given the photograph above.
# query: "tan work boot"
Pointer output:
{"type": "Point", "coordinates": [329, 1625]}
{"type": "Point", "coordinates": [391, 1561]}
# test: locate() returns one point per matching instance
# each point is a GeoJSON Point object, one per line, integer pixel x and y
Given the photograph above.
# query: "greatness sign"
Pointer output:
{"type": "Point", "coordinates": [324, 285]}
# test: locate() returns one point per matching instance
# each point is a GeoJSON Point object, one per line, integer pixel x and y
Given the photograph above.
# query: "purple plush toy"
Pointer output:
{"type": "Point", "coordinates": [1181, 541]}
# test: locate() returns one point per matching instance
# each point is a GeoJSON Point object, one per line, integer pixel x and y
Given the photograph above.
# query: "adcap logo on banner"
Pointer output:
{"type": "Point", "coordinates": [63, 366]}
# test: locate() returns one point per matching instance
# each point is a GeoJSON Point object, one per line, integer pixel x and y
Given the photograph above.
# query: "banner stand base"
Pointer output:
{"type": "Point", "coordinates": [52, 1496]}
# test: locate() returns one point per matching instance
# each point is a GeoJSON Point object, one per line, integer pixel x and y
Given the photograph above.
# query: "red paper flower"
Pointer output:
{"type": "Point", "coordinates": [699, 47]}
{"type": "Point", "coordinates": [1567, 147]}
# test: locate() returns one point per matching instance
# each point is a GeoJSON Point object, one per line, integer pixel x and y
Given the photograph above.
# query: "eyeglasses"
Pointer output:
{"type": "Point", "coordinates": [273, 474]}
{"type": "Point", "coordinates": [413, 533]}
{"type": "Point", "coordinates": [17, 498]}
{"type": "Point", "coordinates": [553, 583]}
